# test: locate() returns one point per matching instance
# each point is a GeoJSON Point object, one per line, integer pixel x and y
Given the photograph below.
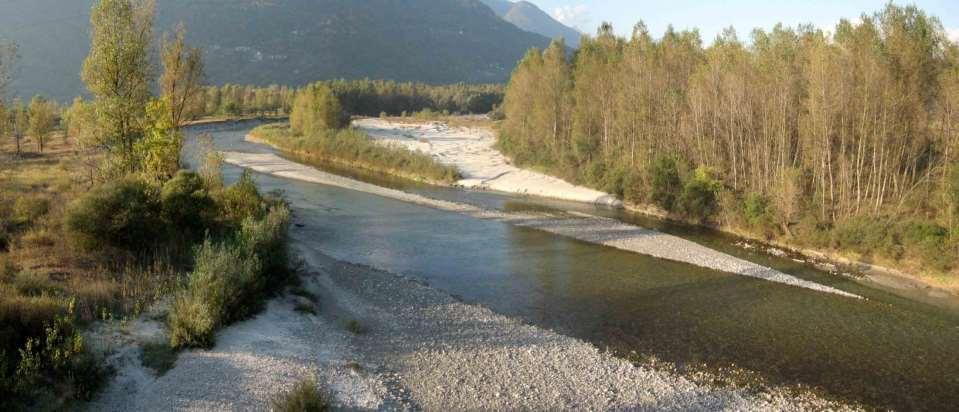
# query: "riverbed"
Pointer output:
{"type": "Point", "coordinates": [884, 350]}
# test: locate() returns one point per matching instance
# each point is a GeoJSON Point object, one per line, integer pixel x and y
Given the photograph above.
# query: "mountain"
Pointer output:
{"type": "Point", "coordinates": [527, 16]}
{"type": "Point", "coordinates": [285, 41]}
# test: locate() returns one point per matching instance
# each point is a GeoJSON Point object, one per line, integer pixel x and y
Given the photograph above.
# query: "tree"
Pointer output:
{"type": "Point", "coordinates": [4, 120]}
{"type": "Point", "coordinates": [118, 72]}
{"type": "Point", "coordinates": [316, 109]}
{"type": "Point", "coordinates": [19, 123]}
{"type": "Point", "coordinates": [181, 82]}
{"type": "Point", "coordinates": [42, 120]}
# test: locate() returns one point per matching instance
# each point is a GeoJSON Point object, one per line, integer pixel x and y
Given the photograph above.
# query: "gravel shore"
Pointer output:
{"type": "Point", "coordinates": [417, 348]}
{"type": "Point", "coordinates": [579, 226]}
{"type": "Point", "coordinates": [472, 151]}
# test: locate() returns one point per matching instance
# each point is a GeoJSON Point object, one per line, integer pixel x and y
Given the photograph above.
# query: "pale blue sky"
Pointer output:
{"type": "Point", "coordinates": [712, 16]}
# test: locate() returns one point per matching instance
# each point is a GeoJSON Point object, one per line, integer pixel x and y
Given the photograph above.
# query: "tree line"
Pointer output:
{"type": "Point", "coordinates": [824, 138]}
{"type": "Point", "coordinates": [357, 97]}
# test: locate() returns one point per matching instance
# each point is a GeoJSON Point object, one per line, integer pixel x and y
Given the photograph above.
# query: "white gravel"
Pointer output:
{"type": "Point", "coordinates": [252, 362]}
{"type": "Point", "coordinates": [472, 151]}
{"type": "Point", "coordinates": [440, 354]}
{"type": "Point", "coordinates": [420, 349]}
{"type": "Point", "coordinates": [579, 226]}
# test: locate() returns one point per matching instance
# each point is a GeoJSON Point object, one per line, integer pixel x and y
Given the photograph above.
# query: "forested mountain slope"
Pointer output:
{"type": "Point", "coordinates": [527, 16]}
{"type": "Point", "coordinates": [285, 41]}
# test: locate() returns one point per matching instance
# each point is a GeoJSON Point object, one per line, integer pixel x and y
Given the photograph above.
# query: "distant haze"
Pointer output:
{"type": "Point", "coordinates": [288, 42]}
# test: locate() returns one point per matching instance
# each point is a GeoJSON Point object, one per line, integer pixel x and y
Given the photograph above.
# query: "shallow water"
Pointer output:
{"type": "Point", "coordinates": [886, 352]}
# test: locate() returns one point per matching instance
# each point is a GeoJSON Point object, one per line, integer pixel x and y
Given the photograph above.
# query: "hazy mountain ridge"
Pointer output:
{"type": "Point", "coordinates": [285, 41]}
{"type": "Point", "coordinates": [531, 18]}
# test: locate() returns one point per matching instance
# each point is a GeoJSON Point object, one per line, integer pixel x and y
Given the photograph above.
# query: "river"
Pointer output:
{"type": "Point", "coordinates": [885, 351]}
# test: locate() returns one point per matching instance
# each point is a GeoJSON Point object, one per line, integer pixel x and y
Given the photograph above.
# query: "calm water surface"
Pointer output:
{"type": "Point", "coordinates": [885, 352]}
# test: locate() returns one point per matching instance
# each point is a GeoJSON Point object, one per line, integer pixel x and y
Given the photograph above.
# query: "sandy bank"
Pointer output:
{"type": "Point", "coordinates": [483, 167]}
{"type": "Point", "coordinates": [583, 227]}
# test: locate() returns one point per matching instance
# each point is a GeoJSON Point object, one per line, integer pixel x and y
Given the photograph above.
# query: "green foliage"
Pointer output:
{"type": "Point", "coordinates": [159, 356]}
{"type": "Point", "coordinates": [765, 115]}
{"type": "Point", "coordinates": [187, 205]}
{"type": "Point", "coordinates": [665, 183]}
{"type": "Point", "coordinates": [698, 200]}
{"type": "Point", "coordinates": [231, 279]}
{"type": "Point", "coordinates": [27, 210]}
{"type": "Point", "coordinates": [758, 212]}
{"type": "Point", "coordinates": [117, 72]}
{"type": "Point", "coordinates": [354, 148]}
{"type": "Point", "coordinates": [924, 241]}
{"type": "Point", "coordinates": [122, 214]}
{"type": "Point", "coordinates": [56, 353]}
{"type": "Point", "coordinates": [158, 152]}
{"type": "Point", "coordinates": [32, 284]}
{"type": "Point", "coordinates": [315, 110]}
{"type": "Point", "coordinates": [305, 396]}
{"type": "Point", "coordinates": [241, 200]}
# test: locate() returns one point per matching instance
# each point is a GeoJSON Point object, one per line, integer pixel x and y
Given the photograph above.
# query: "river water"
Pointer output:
{"type": "Point", "coordinates": [886, 351]}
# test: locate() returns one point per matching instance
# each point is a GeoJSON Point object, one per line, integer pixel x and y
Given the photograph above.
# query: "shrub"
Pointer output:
{"type": "Point", "coordinates": [758, 212]}
{"type": "Point", "coordinates": [929, 242]}
{"type": "Point", "coordinates": [27, 210]}
{"type": "Point", "coordinates": [122, 214]}
{"type": "Point", "coordinates": [186, 205]}
{"type": "Point", "coordinates": [267, 239]}
{"type": "Point", "coordinates": [33, 284]}
{"type": "Point", "coordinates": [241, 200]}
{"type": "Point", "coordinates": [698, 199]}
{"type": "Point", "coordinates": [665, 183]}
{"type": "Point", "coordinates": [191, 322]}
{"type": "Point", "coordinates": [158, 356]}
{"type": "Point", "coordinates": [305, 396]}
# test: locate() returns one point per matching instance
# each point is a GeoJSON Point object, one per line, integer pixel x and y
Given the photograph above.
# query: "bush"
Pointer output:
{"type": "Point", "coordinates": [231, 279]}
{"type": "Point", "coordinates": [929, 242]}
{"type": "Point", "coordinates": [27, 210]}
{"type": "Point", "coordinates": [158, 356]}
{"type": "Point", "coordinates": [698, 199]}
{"type": "Point", "coordinates": [241, 200]}
{"type": "Point", "coordinates": [33, 284]}
{"type": "Point", "coordinates": [665, 183]}
{"type": "Point", "coordinates": [758, 212]}
{"type": "Point", "coordinates": [122, 214]}
{"type": "Point", "coordinates": [267, 239]}
{"type": "Point", "coordinates": [187, 206]}
{"type": "Point", "coordinates": [54, 354]}
{"type": "Point", "coordinates": [304, 397]}
{"type": "Point", "coordinates": [191, 322]}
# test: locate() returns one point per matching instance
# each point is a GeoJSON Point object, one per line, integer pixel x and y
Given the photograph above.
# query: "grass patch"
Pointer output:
{"type": "Point", "coordinates": [159, 356]}
{"type": "Point", "coordinates": [305, 308]}
{"type": "Point", "coordinates": [354, 148]}
{"type": "Point", "coordinates": [355, 327]}
{"type": "Point", "coordinates": [305, 396]}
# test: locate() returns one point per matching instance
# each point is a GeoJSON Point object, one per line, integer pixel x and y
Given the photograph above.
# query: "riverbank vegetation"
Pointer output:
{"type": "Point", "coordinates": [98, 222]}
{"type": "Point", "coordinates": [357, 97]}
{"type": "Point", "coordinates": [318, 133]}
{"type": "Point", "coordinates": [842, 141]}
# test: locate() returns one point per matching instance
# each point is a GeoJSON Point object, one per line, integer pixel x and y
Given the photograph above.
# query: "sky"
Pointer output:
{"type": "Point", "coordinates": [710, 17]}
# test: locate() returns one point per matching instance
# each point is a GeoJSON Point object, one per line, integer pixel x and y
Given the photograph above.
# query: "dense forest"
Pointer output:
{"type": "Point", "coordinates": [843, 139]}
{"type": "Point", "coordinates": [357, 97]}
